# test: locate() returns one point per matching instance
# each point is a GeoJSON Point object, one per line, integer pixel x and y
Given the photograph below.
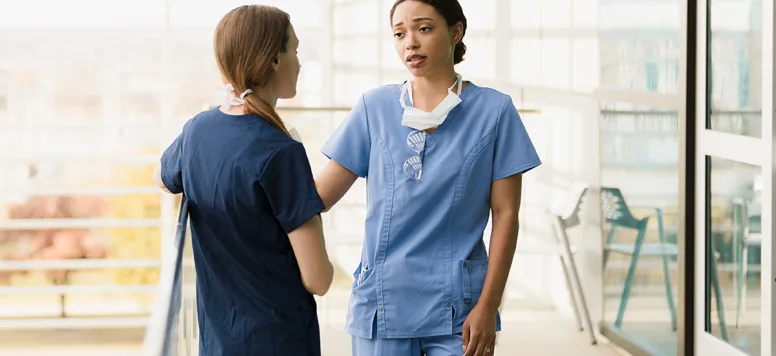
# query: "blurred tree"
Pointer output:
{"type": "Point", "coordinates": [53, 244]}
{"type": "Point", "coordinates": [136, 242]}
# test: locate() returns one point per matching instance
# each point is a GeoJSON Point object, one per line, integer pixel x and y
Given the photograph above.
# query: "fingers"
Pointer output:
{"type": "Point", "coordinates": [491, 348]}
{"type": "Point", "coordinates": [465, 336]}
{"type": "Point", "coordinates": [470, 348]}
{"type": "Point", "coordinates": [481, 344]}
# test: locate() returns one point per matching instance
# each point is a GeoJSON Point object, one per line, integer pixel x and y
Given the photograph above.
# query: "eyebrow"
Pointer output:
{"type": "Point", "coordinates": [417, 19]}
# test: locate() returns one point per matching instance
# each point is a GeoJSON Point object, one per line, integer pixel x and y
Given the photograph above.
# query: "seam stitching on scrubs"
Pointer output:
{"type": "Point", "coordinates": [383, 238]}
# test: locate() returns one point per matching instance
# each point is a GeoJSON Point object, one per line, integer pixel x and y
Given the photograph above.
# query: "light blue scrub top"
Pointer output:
{"type": "Point", "coordinates": [424, 260]}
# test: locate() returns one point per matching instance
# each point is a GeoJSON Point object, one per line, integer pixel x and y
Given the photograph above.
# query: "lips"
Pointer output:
{"type": "Point", "coordinates": [415, 60]}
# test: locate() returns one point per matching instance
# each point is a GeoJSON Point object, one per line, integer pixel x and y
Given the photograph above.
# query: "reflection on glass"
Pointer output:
{"type": "Point", "coordinates": [639, 201]}
{"type": "Point", "coordinates": [639, 45]}
{"type": "Point", "coordinates": [735, 83]}
{"type": "Point", "coordinates": [733, 279]}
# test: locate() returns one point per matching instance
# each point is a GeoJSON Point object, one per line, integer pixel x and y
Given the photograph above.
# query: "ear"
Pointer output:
{"type": "Point", "coordinates": [276, 64]}
{"type": "Point", "coordinates": [456, 33]}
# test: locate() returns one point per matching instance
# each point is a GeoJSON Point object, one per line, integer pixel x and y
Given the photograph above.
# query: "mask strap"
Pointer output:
{"type": "Point", "coordinates": [407, 87]}
{"type": "Point", "coordinates": [231, 100]}
{"type": "Point", "coordinates": [459, 82]}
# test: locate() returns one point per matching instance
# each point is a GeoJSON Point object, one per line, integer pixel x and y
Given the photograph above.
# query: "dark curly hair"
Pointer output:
{"type": "Point", "coordinates": [452, 12]}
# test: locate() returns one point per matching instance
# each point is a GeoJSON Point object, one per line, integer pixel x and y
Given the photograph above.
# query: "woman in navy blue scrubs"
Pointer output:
{"type": "Point", "coordinates": [254, 210]}
{"type": "Point", "coordinates": [440, 154]}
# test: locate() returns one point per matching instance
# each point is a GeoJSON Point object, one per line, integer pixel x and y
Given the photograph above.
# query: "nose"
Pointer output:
{"type": "Point", "coordinates": [411, 43]}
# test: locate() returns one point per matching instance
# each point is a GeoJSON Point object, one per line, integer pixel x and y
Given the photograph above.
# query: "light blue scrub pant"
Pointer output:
{"type": "Point", "coordinates": [447, 345]}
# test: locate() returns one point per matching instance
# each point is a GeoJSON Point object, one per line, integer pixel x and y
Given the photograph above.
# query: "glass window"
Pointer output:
{"type": "Point", "coordinates": [639, 45]}
{"type": "Point", "coordinates": [137, 108]}
{"type": "Point", "coordinates": [479, 61]}
{"type": "Point", "coordinates": [480, 14]}
{"type": "Point", "coordinates": [734, 199]}
{"type": "Point", "coordinates": [735, 83]}
{"type": "Point", "coordinates": [360, 52]}
{"type": "Point", "coordinates": [526, 14]}
{"type": "Point", "coordinates": [556, 55]}
{"type": "Point", "coordinates": [526, 61]}
{"type": "Point", "coordinates": [358, 19]}
{"type": "Point", "coordinates": [639, 202]}
{"type": "Point", "coordinates": [349, 85]}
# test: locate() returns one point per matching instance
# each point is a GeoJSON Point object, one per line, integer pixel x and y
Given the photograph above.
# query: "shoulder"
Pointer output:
{"type": "Point", "coordinates": [489, 96]}
{"type": "Point", "coordinates": [201, 119]}
{"type": "Point", "coordinates": [283, 153]}
{"type": "Point", "coordinates": [385, 94]}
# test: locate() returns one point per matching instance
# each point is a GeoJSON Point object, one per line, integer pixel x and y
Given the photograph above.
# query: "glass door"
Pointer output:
{"type": "Point", "coordinates": [734, 178]}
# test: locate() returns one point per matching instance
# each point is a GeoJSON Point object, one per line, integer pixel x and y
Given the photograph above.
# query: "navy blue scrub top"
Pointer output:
{"type": "Point", "coordinates": [248, 186]}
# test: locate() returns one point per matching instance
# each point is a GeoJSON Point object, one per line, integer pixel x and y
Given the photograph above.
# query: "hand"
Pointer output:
{"type": "Point", "coordinates": [479, 332]}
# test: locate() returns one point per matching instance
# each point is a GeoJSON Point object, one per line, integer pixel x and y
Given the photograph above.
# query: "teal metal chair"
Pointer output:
{"type": "Point", "coordinates": [619, 216]}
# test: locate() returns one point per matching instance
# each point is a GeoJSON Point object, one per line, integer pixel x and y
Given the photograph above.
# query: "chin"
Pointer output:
{"type": "Point", "coordinates": [418, 72]}
{"type": "Point", "coordinates": [289, 95]}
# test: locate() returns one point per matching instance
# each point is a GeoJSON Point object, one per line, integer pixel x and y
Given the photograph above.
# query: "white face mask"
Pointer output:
{"type": "Point", "coordinates": [231, 100]}
{"type": "Point", "coordinates": [421, 120]}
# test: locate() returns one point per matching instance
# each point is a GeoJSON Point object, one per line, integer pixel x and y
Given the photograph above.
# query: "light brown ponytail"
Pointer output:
{"type": "Point", "coordinates": [257, 106]}
{"type": "Point", "coordinates": [247, 41]}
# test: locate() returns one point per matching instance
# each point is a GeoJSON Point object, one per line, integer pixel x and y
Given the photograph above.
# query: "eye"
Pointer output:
{"type": "Point", "coordinates": [425, 29]}
{"type": "Point", "coordinates": [398, 34]}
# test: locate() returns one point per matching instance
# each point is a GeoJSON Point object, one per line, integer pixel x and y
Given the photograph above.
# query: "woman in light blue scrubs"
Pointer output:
{"type": "Point", "coordinates": [440, 154]}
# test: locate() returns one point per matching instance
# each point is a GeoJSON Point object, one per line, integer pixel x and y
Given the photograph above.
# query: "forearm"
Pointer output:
{"type": "Point", "coordinates": [503, 243]}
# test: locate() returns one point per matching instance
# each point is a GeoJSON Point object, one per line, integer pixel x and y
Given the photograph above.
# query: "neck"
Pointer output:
{"type": "Point", "coordinates": [267, 94]}
{"type": "Point", "coordinates": [434, 84]}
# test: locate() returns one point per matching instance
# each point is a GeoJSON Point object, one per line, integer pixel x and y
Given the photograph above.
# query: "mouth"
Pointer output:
{"type": "Point", "coordinates": [415, 59]}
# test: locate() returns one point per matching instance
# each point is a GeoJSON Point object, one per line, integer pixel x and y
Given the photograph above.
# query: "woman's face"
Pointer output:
{"type": "Point", "coordinates": [287, 68]}
{"type": "Point", "coordinates": [424, 41]}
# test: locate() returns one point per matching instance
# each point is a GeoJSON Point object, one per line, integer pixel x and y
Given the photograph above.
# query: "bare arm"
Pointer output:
{"type": "Point", "coordinates": [310, 251]}
{"type": "Point", "coordinates": [157, 176]}
{"type": "Point", "coordinates": [505, 204]}
{"type": "Point", "coordinates": [333, 182]}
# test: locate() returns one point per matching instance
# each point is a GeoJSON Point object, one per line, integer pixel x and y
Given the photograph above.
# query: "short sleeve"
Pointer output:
{"type": "Point", "coordinates": [172, 175]}
{"type": "Point", "coordinates": [350, 144]}
{"type": "Point", "coordinates": [514, 151]}
{"type": "Point", "coordinates": [288, 181]}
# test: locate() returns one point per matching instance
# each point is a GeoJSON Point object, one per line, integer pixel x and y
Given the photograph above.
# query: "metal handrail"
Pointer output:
{"type": "Point", "coordinates": [161, 332]}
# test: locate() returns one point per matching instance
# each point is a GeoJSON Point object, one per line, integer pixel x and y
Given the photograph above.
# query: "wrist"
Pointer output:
{"type": "Point", "coordinates": [489, 304]}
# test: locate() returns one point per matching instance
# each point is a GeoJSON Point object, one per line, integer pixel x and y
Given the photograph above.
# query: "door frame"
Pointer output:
{"type": "Point", "coordinates": [749, 150]}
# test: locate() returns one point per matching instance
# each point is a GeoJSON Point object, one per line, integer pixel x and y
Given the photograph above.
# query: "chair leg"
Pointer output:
{"type": "Point", "coordinates": [669, 292]}
{"type": "Point", "coordinates": [743, 290]}
{"type": "Point", "coordinates": [714, 279]}
{"type": "Point", "coordinates": [570, 289]}
{"type": "Point", "coordinates": [631, 273]}
{"type": "Point", "coordinates": [666, 272]}
{"type": "Point", "coordinates": [609, 240]}
{"type": "Point", "coordinates": [739, 283]}
{"type": "Point", "coordinates": [575, 282]}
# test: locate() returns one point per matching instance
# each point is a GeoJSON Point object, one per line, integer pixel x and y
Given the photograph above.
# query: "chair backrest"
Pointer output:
{"type": "Point", "coordinates": [615, 210]}
{"type": "Point", "coordinates": [568, 211]}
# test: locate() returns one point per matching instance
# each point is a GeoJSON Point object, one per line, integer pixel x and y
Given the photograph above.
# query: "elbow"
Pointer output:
{"type": "Point", "coordinates": [321, 284]}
